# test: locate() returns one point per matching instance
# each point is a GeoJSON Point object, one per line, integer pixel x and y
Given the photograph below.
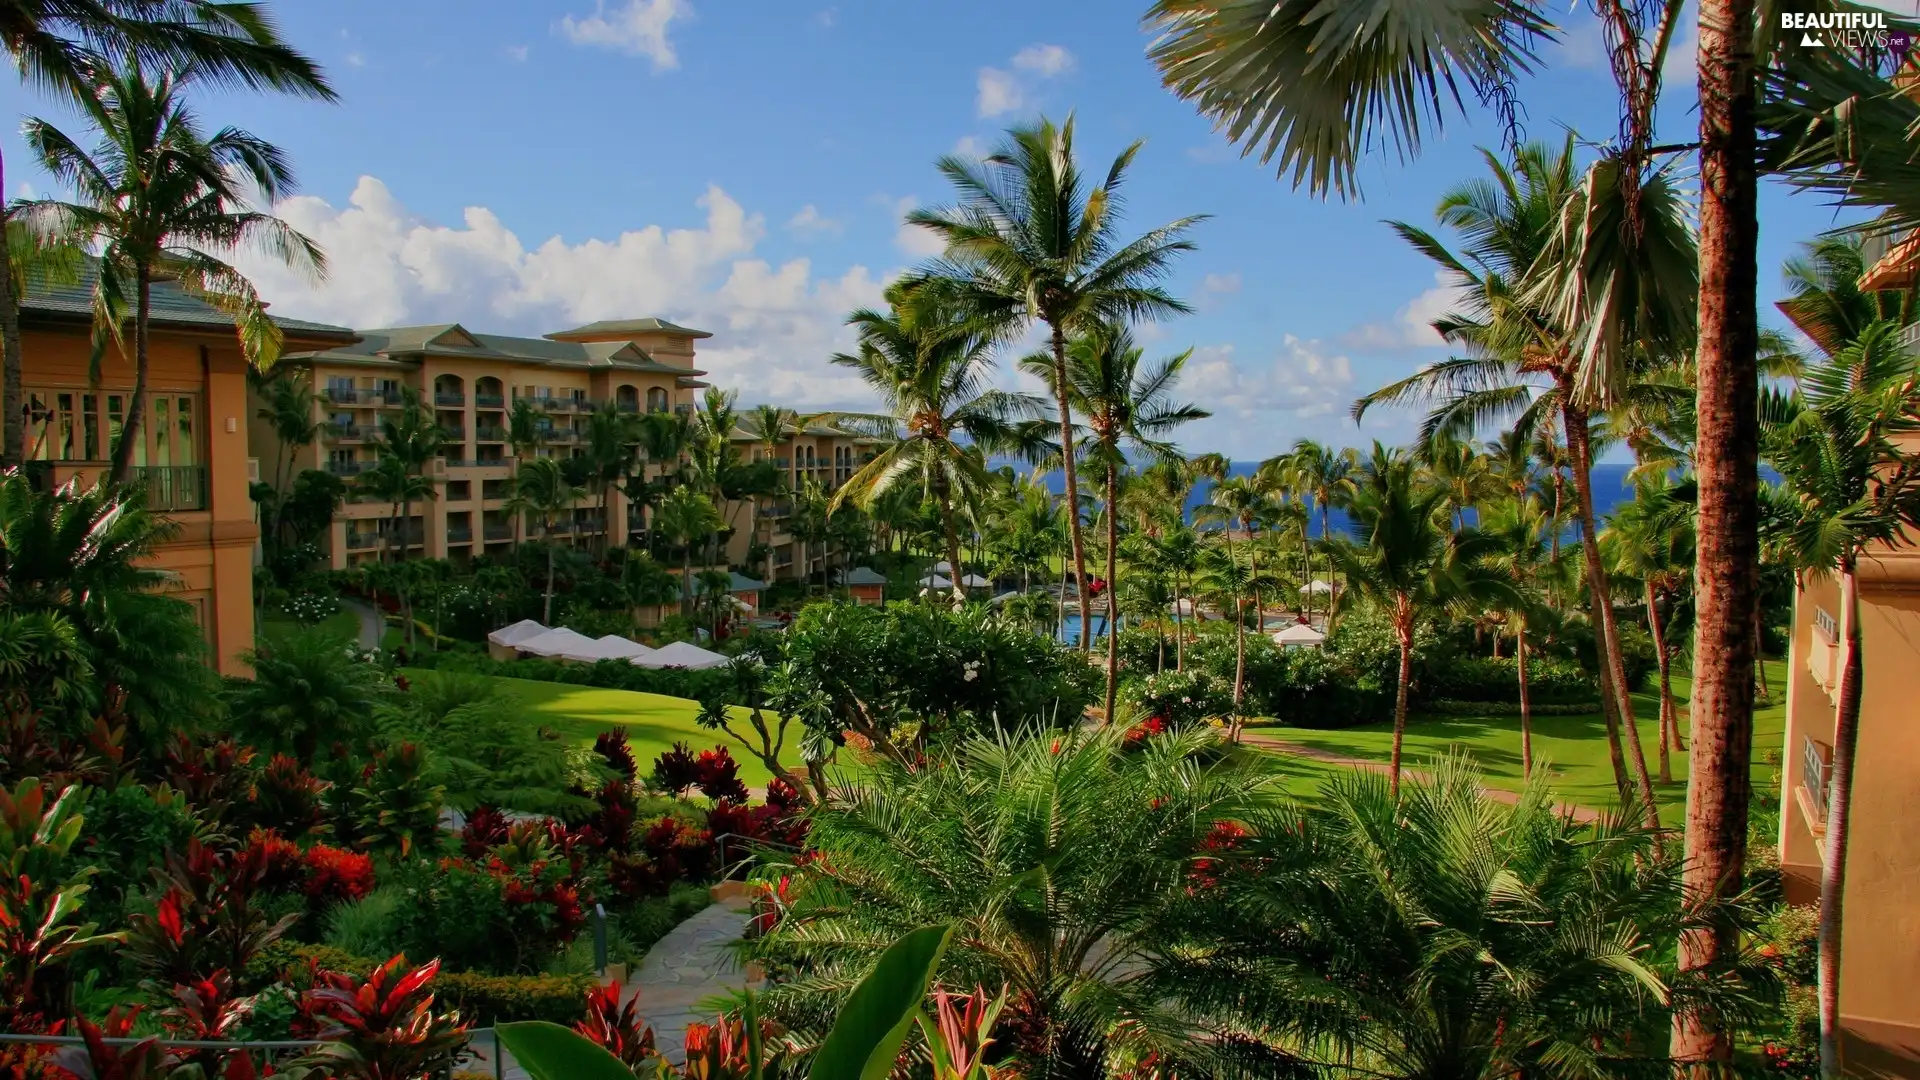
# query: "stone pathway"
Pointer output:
{"type": "Point", "coordinates": [682, 970]}
{"type": "Point", "coordinates": [1584, 814]}
{"type": "Point", "coordinates": [685, 968]}
{"type": "Point", "coordinates": [372, 626]}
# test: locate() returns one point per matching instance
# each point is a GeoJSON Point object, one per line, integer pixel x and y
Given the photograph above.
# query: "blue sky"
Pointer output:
{"type": "Point", "coordinates": [522, 165]}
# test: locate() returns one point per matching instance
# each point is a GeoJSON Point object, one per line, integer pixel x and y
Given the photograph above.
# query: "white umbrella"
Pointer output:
{"type": "Point", "coordinates": [516, 633]}
{"type": "Point", "coordinates": [1317, 588]}
{"type": "Point", "coordinates": [943, 567]}
{"type": "Point", "coordinates": [681, 654]}
{"type": "Point", "coordinates": [935, 581]}
{"type": "Point", "coordinates": [974, 581]}
{"type": "Point", "coordinates": [1299, 634]}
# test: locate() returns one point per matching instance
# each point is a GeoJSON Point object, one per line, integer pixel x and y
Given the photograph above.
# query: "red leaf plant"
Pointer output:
{"type": "Point", "coordinates": [485, 827]}
{"type": "Point", "coordinates": [210, 1011]}
{"type": "Point", "coordinates": [615, 1025]}
{"type": "Point", "coordinates": [718, 1051]}
{"type": "Point", "coordinates": [335, 874]}
{"type": "Point", "coordinates": [98, 1059]}
{"type": "Point", "coordinates": [383, 1027]}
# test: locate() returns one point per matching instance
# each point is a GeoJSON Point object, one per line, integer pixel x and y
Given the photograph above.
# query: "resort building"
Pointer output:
{"type": "Point", "coordinates": [1880, 955]}
{"type": "Point", "coordinates": [191, 455]}
{"type": "Point", "coordinates": [472, 380]}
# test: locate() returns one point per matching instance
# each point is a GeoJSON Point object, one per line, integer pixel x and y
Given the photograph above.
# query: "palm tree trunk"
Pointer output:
{"type": "Point", "coordinates": [1839, 814]}
{"type": "Point", "coordinates": [1553, 543]}
{"type": "Point", "coordinates": [1060, 604]}
{"type": "Point", "coordinates": [1253, 581]}
{"type": "Point", "coordinates": [1613, 671]}
{"type": "Point", "coordinates": [1526, 702]}
{"type": "Point", "coordinates": [1113, 586]}
{"type": "Point", "coordinates": [1072, 483]}
{"type": "Point", "coordinates": [1403, 628]}
{"type": "Point", "coordinates": [686, 577]}
{"type": "Point", "coordinates": [1179, 623]}
{"type": "Point", "coordinates": [546, 611]}
{"type": "Point", "coordinates": [1666, 682]}
{"type": "Point", "coordinates": [1759, 656]}
{"type": "Point", "coordinates": [13, 394]}
{"type": "Point", "coordinates": [1726, 459]}
{"type": "Point", "coordinates": [137, 408]}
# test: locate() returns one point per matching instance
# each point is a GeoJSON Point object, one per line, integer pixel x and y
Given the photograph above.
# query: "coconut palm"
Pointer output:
{"type": "Point", "coordinates": [159, 197]}
{"type": "Point", "coordinates": [542, 491]}
{"type": "Point", "coordinates": [55, 44]}
{"type": "Point", "coordinates": [1326, 477]}
{"type": "Point", "coordinates": [1517, 530]}
{"type": "Point", "coordinates": [288, 409]}
{"type": "Point", "coordinates": [1036, 849]}
{"type": "Point", "coordinates": [1526, 352]}
{"type": "Point", "coordinates": [686, 516]}
{"type": "Point", "coordinates": [1835, 440]}
{"type": "Point", "coordinates": [1128, 407]}
{"type": "Point", "coordinates": [1650, 540]}
{"type": "Point", "coordinates": [932, 372]}
{"type": "Point", "coordinates": [609, 446]}
{"type": "Point", "coordinates": [1031, 241]}
{"type": "Point", "coordinates": [413, 437]}
{"type": "Point", "coordinates": [1409, 564]}
{"type": "Point", "coordinates": [1227, 580]}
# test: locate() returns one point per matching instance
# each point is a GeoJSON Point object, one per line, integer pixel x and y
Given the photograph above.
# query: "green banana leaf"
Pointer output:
{"type": "Point", "coordinates": [879, 1013]}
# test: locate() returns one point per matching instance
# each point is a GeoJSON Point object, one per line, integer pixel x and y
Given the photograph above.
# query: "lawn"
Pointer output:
{"type": "Point", "coordinates": [653, 722]}
{"type": "Point", "coordinates": [1572, 748]}
{"type": "Point", "coordinates": [342, 623]}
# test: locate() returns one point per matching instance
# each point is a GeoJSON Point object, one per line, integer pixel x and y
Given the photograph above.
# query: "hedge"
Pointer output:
{"type": "Point", "coordinates": [482, 999]}
{"type": "Point", "coordinates": [606, 675]}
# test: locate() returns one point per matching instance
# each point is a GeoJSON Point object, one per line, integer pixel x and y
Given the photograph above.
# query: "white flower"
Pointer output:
{"type": "Point", "coordinates": [1186, 701]}
{"type": "Point", "coordinates": [970, 675]}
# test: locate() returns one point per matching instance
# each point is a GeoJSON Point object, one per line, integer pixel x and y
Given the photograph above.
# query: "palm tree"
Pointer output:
{"type": "Point", "coordinates": [1517, 529]}
{"type": "Point", "coordinates": [609, 453]}
{"type": "Point", "coordinates": [1229, 581]}
{"type": "Point", "coordinates": [684, 517]}
{"type": "Point", "coordinates": [1651, 541]}
{"type": "Point", "coordinates": [1528, 352]}
{"type": "Point", "coordinates": [1176, 553]}
{"type": "Point", "coordinates": [1030, 241]}
{"type": "Point", "coordinates": [55, 44]}
{"type": "Point", "coordinates": [1325, 476]}
{"type": "Point", "coordinates": [542, 490]}
{"type": "Point", "coordinates": [289, 410]}
{"type": "Point", "coordinates": [1128, 407]}
{"type": "Point", "coordinates": [775, 425]}
{"type": "Point", "coordinates": [413, 437]}
{"type": "Point", "coordinates": [393, 482]}
{"type": "Point", "coordinates": [161, 198]}
{"type": "Point", "coordinates": [1035, 848]}
{"type": "Point", "coordinates": [1835, 440]}
{"type": "Point", "coordinates": [1409, 564]}
{"type": "Point", "coordinates": [931, 370]}
{"type": "Point", "coordinates": [309, 691]}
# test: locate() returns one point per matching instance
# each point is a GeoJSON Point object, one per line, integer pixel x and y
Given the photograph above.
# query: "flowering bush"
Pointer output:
{"type": "Point", "coordinates": [613, 749]}
{"type": "Point", "coordinates": [336, 875]}
{"type": "Point", "coordinates": [309, 608]}
{"type": "Point", "coordinates": [1182, 699]}
{"type": "Point", "coordinates": [487, 915]}
{"type": "Point", "coordinates": [485, 827]}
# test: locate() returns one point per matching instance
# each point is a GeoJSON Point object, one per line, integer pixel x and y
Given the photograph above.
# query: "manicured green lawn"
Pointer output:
{"type": "Point", "coordinates": [342, 623]}
{"type": "Point", "coordinates": [653, 722]}
{"type": "Point", "coordinates": [1573, 748]}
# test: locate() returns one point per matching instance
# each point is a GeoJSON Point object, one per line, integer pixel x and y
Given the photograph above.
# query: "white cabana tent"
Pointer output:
{"type": "Point", "coordinates": [935, 581]}
{"type": "Point", "coordinates": [681, 654]}
{"type": "Point", "coordinates": [943, 567]}
{"type": "Point", "coordinates": [1318, 588]}
{"type": "Point", "coordinates": [974, 581]}
{"type": "Point", "coordinates": [561, 643]}
{"type": "Point", "coordinates": [1299, 636]}
{"type": "Point", "coordinates": [616, 647]}
{"type": "Point", "coordinates": [501, 642]}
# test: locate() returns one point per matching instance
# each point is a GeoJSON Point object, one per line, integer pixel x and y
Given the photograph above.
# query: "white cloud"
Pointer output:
{"type": "Point", "coordinates": [637, 28]}
{"type": "Point", "coordinates": [970, 146]}
{"type": "Point", "coordinates": [1220, 283]}
{"type": "Point", "coordinates": [1045, 61]}
{"type": "Point", "coordinates": [355, 59]}
{"type": "Point", "coordinates": [826, 18]}
{"type": "Point", "coordinates": [912, 240]}
{"type": "Point", "coordinates": [997, 93]}
{"type": "Point", "coordinates": [811, 222]}
{"type": "Point", "coordinates": [1412, 325]}
{"type": "Point", "coordinates": [774, 326]}
{"type": "Point", "coordinates": [1301, 379]}
{"type": "Point", "coordinates": [518, 53]}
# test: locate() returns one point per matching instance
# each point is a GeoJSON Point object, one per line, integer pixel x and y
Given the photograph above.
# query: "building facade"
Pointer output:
{"type": "Point", "coordinates": [471, 382]}
{"type": "Point", "coordinates": [192, 454]}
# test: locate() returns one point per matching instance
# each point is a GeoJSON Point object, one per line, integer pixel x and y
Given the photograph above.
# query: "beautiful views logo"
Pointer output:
{"type": "Point", "coordinates": [1845, 30]}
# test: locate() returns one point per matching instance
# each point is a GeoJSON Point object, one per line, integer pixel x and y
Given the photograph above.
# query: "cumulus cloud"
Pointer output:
{"type": "Point", "coordinates": [1220, 283]}
{"type": "Point", "coordinates": [998, 91]}
{"type": "Point", "coordinates": [912, 240]}
{"type": "Point", "coordinates": [774, 325]}
{"type": "Point", "coordinates": [1302, 377]}
{"type": "Point", "coordinates": [811, 222]}
{"type": "Point", "coordinates": [970, 146]}
{"type": "Point", "coordinates": [1412, 325]}
{"type": "Point", "coordinates": [637, 28]}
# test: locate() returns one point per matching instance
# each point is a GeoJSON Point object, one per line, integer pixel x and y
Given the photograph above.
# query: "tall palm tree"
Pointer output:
{"type": "Point", "coordinates": [55, 43]}
{"type": "Point", "coordinates": [392, 481]}
{"type": "Point", "coordinates": [1128, 407]}
{"type": "Point", "coordinates": [541, 490]}
{"type": "Point", "coordinates": [159, 197]}
{"type": "Point", "coordinates": [932, 371]}
{"type": "Point", "coordinates": [1526, 349]}
{"type": "Point", "coordinates": [775, 425]}
{"type": "Point", "coordinates": [1228, 580]}
{"type": "Point", "coordinates": [1326, 477]}
{"type": "Point", "coordinates": [289, 410]}
{"type": "Point", "coordinates": [1517, 531]}
{"type": "Point", "coordinates": [1409, 564]}
{"type": "Point", "coordinates": [413, 437]}
{"type": "Point", "coordinates": [1835, 441]}
{"type": "Point", "coordinates": [609, 452]}
{"type": "Point", "coordinates": [1230, 501]}
{"type": "Point", "coordinates": [686, 516]}
{"type": "Point", "coordinates": [1031, 241]}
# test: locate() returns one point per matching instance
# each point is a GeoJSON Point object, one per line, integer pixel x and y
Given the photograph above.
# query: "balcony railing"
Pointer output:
{"type": "Point", "coordinates": [486, 433]}
{"type": "Point", "coordinates": [627, 406]}
{"type": "Point", "coordinates": [360, 541]}
{"type": "Point", "coordinates": [347, 395]}
{"type": "Point", "coordinates": [1818, 778]}
{"type": "Point", "coordinates": [559, 435]}
{"type": "Point", "coordinates": [352, 433]}
{"type": "Point", "coordinates": [499, 532]}
{"type": "Point", "coordinates": [459, 534]}
{"type": "Point", "coordinates": [561, 404]}
{"type": "Point", "coordinates": [1910, 336]}
{"type": "Point", "coordinates": [348, 468]}
{"type": "Point", "coordinates": [454, 432]}
{"type": "Point", "coordinates": [776, 511]}
{"type": "Point", "coordinates": [489, 401]}
{"type": "Point", "coordinates": [452, 401]}
{"type": "Point", "coordinates": [476, 463]}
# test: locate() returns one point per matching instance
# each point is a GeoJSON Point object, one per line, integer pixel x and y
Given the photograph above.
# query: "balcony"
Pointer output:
{"type": "Point", "coordinates": [558, 404]}
{"type": "Point", "coordinates": [454, 433]}
{"type": "Point", "coordinates": [627, 406]}
{"type": "Point", "coordinates": [476, 463]}
{"type": "Point", "coordinates": [348, 468]}
{"type": "Point", "coordinates": [360, 541]}
{"type": "Point", "coordinates": [783, 464]}
{"type": "Point", "coordinates": [1910, 336]}
{"type": "Point", "coordinates": [489, 401]}
{"type": "Point", "coordinates": [488, 433]}
{"type": "Point", "coordinates": [350, 433]}
{"type": "Point", "coordinates": [498, 532]}
{"type": "Point", "coordinates": [451, 401]}
{"type": "Point", "coordinates": [559, 435]}
{"type": "Point", "coordinates": [1816, 782]}
{"type": "Point", "coordinates": [459, 534]}
{"type": "Point", "coordinates": [347, 395]}
{"type": "Point", "coordinates": [776, 511]}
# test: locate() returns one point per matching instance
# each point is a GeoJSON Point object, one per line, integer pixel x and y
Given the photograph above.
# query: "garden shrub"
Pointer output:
{"type": "Point", "coordinates": [486, 916]}
{"type": "Point", "coordinates": [1182, 699]}
{"type": "Point", "coordinates": [1482, 678]}
{"type": "Point", "coordinates": [367, 926]}
{"type": "Point", "coordinates": [605, 675]}
{"type": "Point", "coordinates": [480, 998]}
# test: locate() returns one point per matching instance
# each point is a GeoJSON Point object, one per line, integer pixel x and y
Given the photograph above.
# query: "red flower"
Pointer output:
{"type": "Point", "coordinates": [337, 874]}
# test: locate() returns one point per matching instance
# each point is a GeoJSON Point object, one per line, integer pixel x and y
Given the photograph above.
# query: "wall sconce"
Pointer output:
{"type": "Point", "coordinates": [233, 425]}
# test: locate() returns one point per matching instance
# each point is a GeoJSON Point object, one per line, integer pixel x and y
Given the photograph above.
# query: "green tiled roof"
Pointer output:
{"type": "Point", "coordinates": [631, 326]}
{"type": "Point", "coordinates": [451, 340]}
{"type": "Point", "coordinates": [861, 575]}
{"type": "Point", "coordinates": [171, 306]}
{"type": "Point", "coordinates": [738, 582]}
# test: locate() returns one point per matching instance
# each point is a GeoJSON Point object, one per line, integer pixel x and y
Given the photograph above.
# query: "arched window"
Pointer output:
{"type": "Point", "coordinates": [450, 391]}
{"type": "Point", "coordinates": [488, 393]}
{"type": "Point", "coordinates": [656, 400]}
{"type": "Point", "coordinates": [626, 399]}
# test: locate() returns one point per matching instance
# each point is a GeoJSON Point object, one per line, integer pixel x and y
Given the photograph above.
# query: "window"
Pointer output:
{"type": "Point", "coordinates": [656, 400]}
{"type": "Point", "coordinates": [70, 425]}
{"type": "Point", "coordinates": [459, 490]}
